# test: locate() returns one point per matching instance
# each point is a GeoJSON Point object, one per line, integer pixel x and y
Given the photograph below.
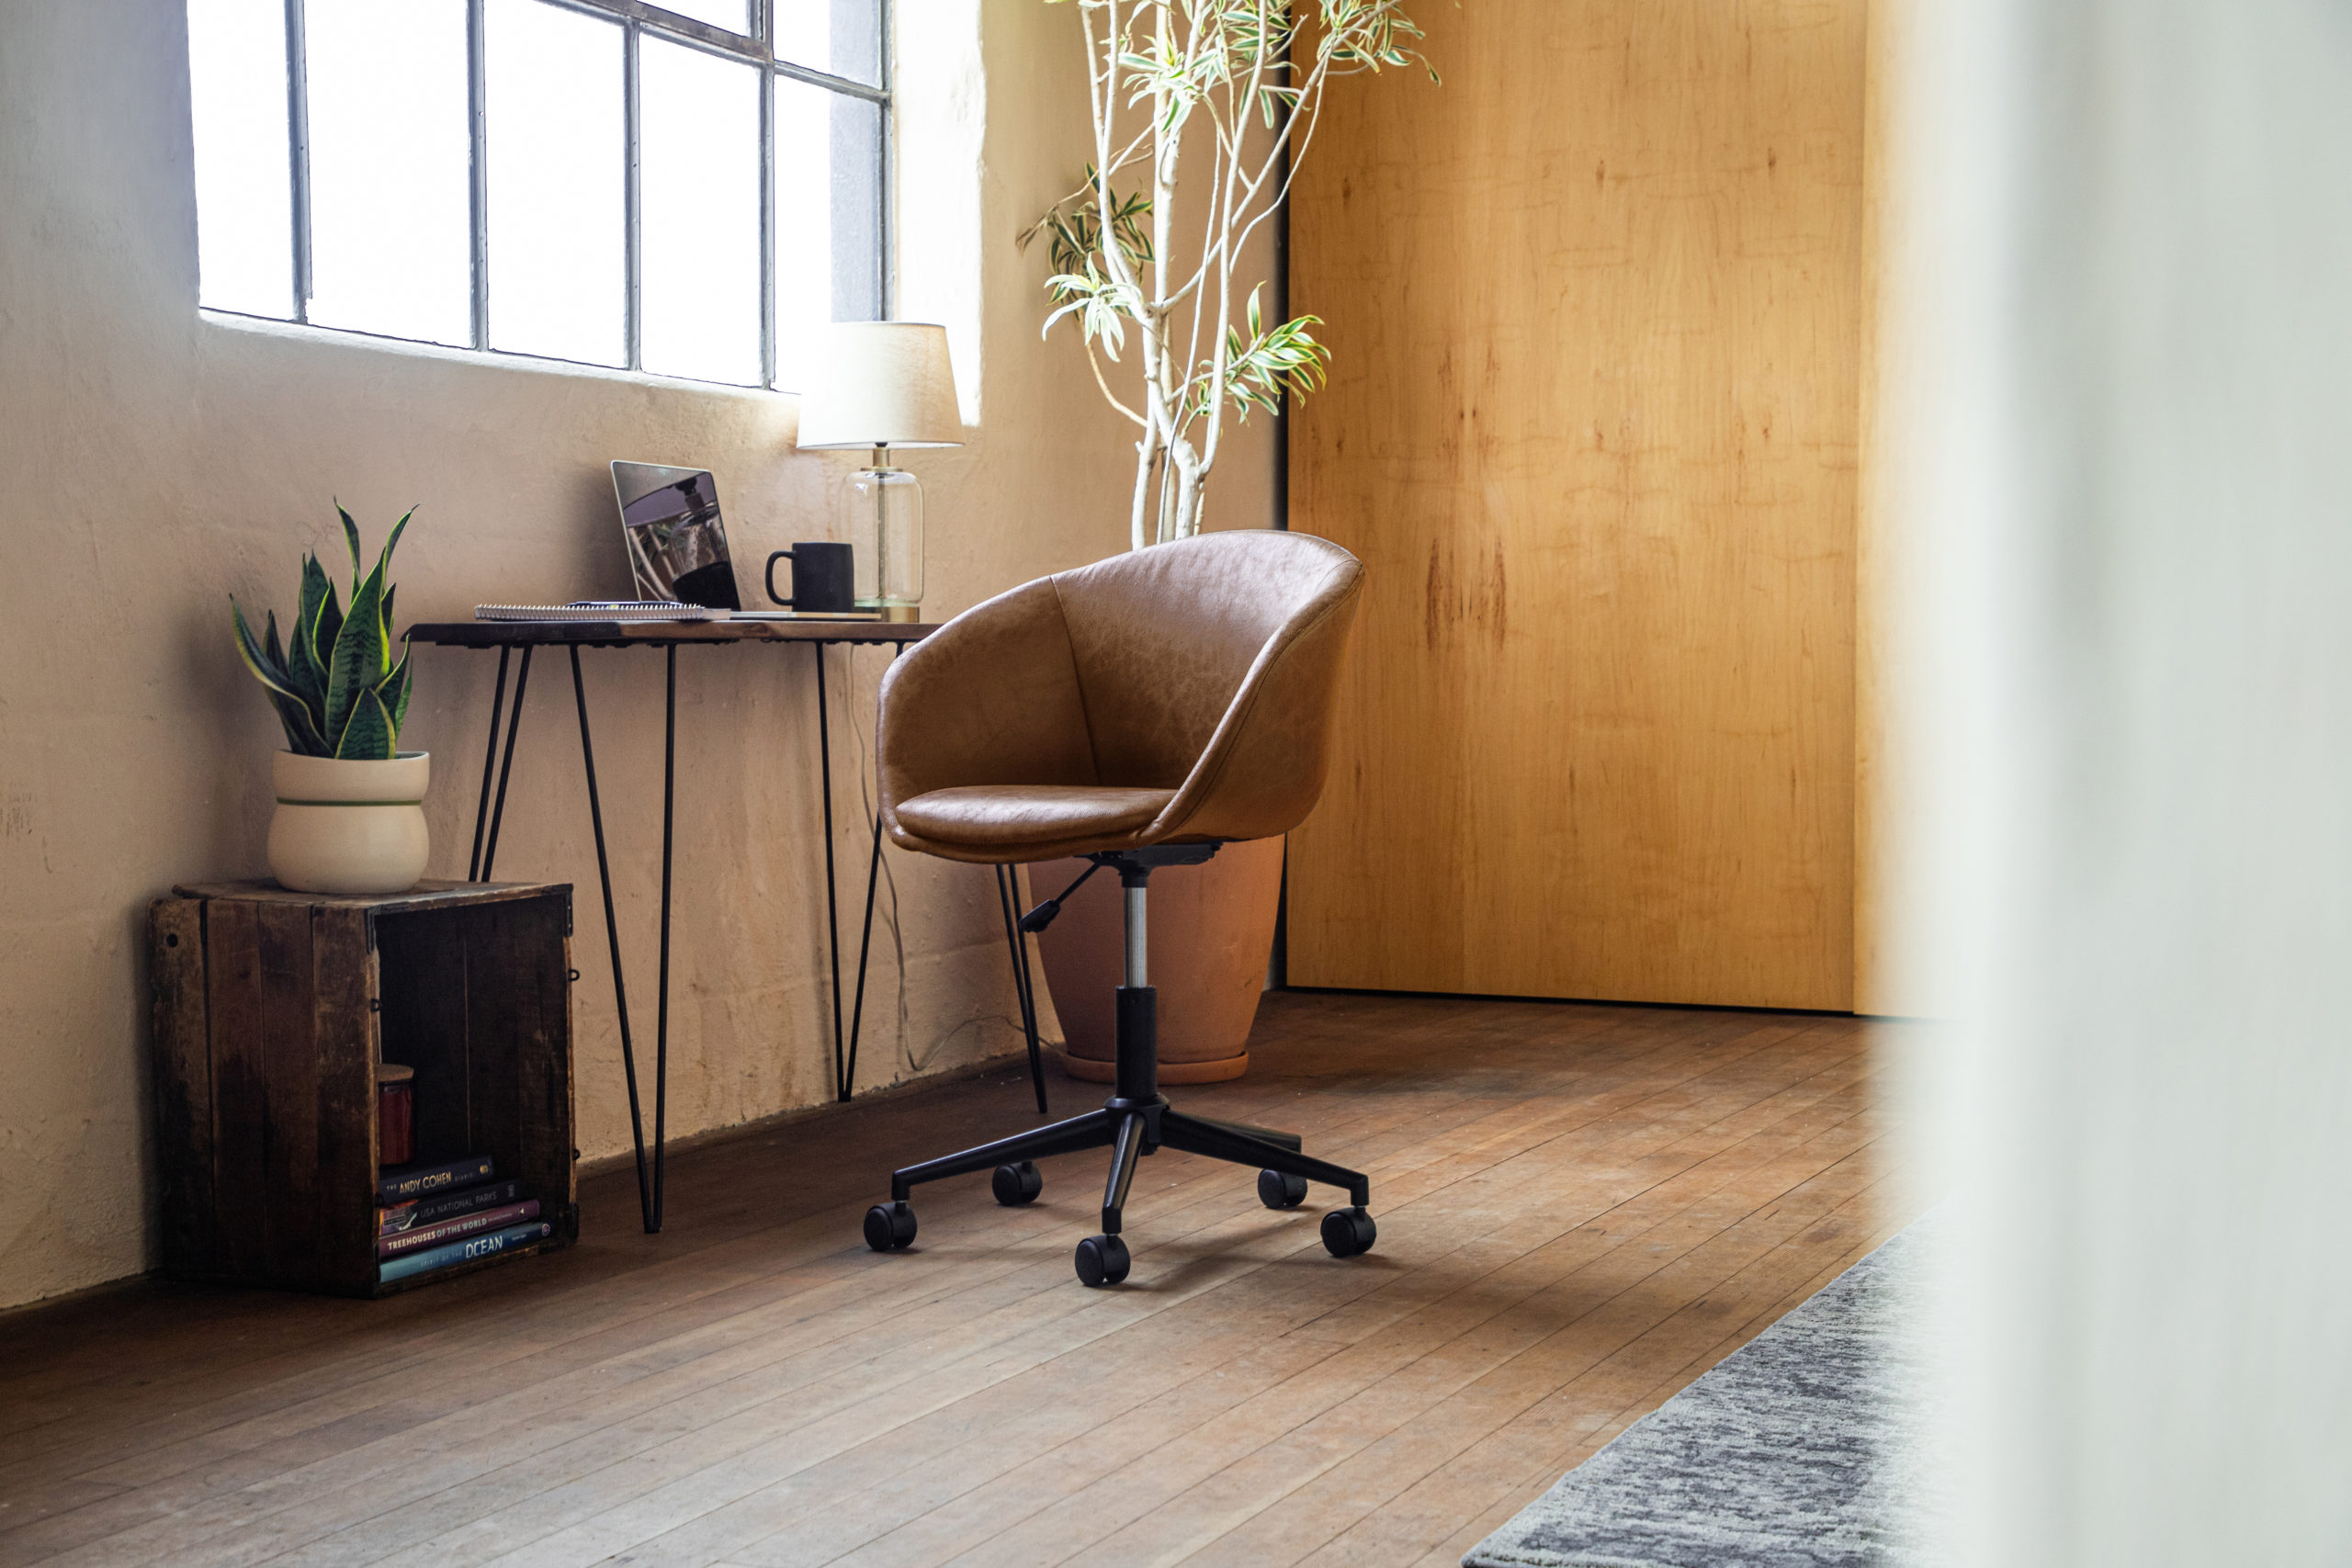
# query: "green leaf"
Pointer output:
{"type": "Point", "coordinates": [269, 671]}
{"type": "Point", "coordinates": [293, 714]}
{"type": "Point", "coordinates": [1285, 360]}
{"type": "Point", "coordinates": [1074, 226]}
{"type": "Point", "coordinates": [361, 657]}
{"type": "Point", "coordinates": [384, 566]}
{"type": "Point", "coordinates": [384, 561]}
{"type": "Point", "coordinates": [1369, 34]}
{"type": "Point", "coordinates": [395, 690]}
{"type": "Point", "coordinates": [367, 736]}
{"type": "Point", "coordinates": [351, 538]}
{"type": "Point", "coordinates": [1100, 303]}
{"type": "Point", "coordinates": [307, 669]}
{"type": "Point", "coordinates": [1275, 101]}
{"type": "Point", "coordinates": [324, 629]}
{"type": "Point", "coordinates": [301, 726]}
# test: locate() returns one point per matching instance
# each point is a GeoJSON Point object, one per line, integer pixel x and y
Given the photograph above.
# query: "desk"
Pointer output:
{"type": "Point", "coordinates": [489, 814]}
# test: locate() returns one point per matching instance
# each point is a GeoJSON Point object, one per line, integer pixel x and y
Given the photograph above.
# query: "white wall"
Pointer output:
{"type": "Point", "coordinates": [2132, 270]}
{"type": "Point", "coordinates": [152, 461]}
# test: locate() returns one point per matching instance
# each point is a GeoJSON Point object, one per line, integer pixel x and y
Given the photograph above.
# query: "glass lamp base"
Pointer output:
{"type": "Point", "coordinates": [885, 524]}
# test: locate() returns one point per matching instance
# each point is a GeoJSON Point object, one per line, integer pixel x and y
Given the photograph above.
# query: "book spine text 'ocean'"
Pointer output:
{"type": "Point", "coordinates": [463, 1251]}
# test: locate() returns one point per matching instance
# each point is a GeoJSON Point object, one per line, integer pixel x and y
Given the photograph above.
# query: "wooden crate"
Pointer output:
{"type": "Point", "coordinates": [272, 1009]}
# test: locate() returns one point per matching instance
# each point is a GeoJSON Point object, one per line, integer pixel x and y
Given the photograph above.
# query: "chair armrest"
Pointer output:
{"type": "Point", "coordinates": [990, 698]}
{"type": "Point", "coordinates": [1262, 770]}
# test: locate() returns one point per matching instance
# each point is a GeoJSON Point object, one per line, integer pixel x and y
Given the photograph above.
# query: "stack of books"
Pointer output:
{"type": "Point", "coordinates": [429, 1217]}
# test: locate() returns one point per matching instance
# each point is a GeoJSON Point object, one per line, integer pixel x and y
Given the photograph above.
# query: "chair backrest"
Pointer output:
{"type": "Point", "coordinates": [1210, 666]}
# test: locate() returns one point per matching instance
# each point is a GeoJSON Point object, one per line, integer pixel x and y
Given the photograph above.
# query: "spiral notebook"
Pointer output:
{"type": "Point", "coordinates": [602, 610]}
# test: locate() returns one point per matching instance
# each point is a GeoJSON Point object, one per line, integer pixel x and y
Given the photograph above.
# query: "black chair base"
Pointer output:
{"type": "Point", "coordinates": [1133, 1131]}
{"type": "Point", "coordinates": [1134, 1123]}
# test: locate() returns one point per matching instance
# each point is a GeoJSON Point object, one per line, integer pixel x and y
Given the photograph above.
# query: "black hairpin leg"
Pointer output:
{"type": "Point", "coordinates": [1028, 989]}
{"type": "Point", "coordinates": [486, 848]}
{"type": "Point", "coordinates": [842, 1070]}
{"type": "Point", "coordinates": [661, 1014]}
{"type": "Point", "coordinates": [847, 1067]}
{"type": "Point", "coordinates": [489, 767]}
{"type": "Point", "coordinates": [506, 764]}
{"type": "Point", "coordinates": [613, 942]}
{"type": "Point", "coordinates": [1008, 898]}
{"type": "Point", "coordinates": [865, 946]}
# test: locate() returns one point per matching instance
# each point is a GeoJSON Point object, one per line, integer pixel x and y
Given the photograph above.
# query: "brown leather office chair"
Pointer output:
{"type": "Point", "coordinates": [1139, 713]}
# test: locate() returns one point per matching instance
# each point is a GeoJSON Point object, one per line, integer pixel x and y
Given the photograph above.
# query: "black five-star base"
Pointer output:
{"type": "Point", "coordinates": [1134, 1123]}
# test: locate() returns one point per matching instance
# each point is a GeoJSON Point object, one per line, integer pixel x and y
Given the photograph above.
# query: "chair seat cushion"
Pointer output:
{"type": "Point", "coordinates": [1007, 816]}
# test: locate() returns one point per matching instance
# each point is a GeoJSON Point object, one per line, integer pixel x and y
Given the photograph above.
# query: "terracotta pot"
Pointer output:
{"type": "Point", "coordinates": [1210, 929]}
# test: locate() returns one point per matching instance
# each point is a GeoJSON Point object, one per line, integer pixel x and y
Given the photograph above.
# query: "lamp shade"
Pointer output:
{"type": "Point", "coordinates": [881, 384]}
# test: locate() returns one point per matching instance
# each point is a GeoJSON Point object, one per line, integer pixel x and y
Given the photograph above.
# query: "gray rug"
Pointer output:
{"type": "Point", "coordinates": [1806, 1448]}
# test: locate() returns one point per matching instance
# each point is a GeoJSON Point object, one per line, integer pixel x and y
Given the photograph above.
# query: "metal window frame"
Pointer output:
{"type": "Point", "coordinates": [478, 164]}
{"type": "Point", "coordinates": [298, 149]}
{"type": "Point", "coordinates": [635, 18]}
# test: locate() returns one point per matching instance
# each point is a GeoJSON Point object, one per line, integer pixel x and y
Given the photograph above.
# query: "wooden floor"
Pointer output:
{"type": "Point", "coordinates": [1581, 1208]}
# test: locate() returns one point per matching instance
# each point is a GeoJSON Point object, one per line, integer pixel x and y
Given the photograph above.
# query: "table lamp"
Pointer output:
{"type": "Point", "coordinates": [883, 384]}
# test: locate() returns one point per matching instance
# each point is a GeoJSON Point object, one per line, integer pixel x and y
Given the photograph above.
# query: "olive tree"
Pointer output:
{"type": "Point", "coordinates": [1226, 92]}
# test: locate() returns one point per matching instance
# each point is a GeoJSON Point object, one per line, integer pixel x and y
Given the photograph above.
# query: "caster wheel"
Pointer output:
{"type": "Point", "coordinates": [1102, 1260]}
{"type": "Point", "coordinates": [1017, 1184]}
{"type": "Point", "coordinates": [1277, 1190]}
{"type": "Point", "coordinates": [1347, 1231]}
{"type": "Point", "coordinates": [889, 1226]}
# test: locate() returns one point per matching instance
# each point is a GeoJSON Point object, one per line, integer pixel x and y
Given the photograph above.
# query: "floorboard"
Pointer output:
{"type": "Point", "coordinates": [1581, 1208]}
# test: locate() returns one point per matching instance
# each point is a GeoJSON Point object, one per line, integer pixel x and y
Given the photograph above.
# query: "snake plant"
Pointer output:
{"type": "Point", "coordinates": [335, 685]}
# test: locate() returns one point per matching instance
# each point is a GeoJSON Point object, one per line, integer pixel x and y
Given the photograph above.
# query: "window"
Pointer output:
{"type": "Point", "coordinates": [688, 191]}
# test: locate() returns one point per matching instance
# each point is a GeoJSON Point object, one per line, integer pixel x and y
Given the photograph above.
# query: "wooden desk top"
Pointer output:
{"type": "Point", "coordinates": [658, 634]}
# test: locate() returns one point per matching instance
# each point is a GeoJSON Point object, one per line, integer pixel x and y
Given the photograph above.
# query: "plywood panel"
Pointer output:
{"type": "Point", "coordinates": [1595, 304]}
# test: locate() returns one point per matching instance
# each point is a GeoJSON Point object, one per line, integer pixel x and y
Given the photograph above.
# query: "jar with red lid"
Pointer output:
{"type": "Point", "coordinates": [395, 1112]}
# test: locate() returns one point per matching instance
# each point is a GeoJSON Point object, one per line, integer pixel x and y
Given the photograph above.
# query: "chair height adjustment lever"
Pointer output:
{"type": "Point", "coordinates": [1041, 917]}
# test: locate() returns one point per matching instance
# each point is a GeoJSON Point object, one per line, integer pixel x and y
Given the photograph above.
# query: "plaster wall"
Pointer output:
{"type": "Point", "coordinates": [157, 460]}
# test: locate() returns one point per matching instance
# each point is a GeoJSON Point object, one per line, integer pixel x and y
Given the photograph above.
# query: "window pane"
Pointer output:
{"type": "Point", "coordinates": [735, 15]}
{"type": "Point", "coordinates": [390, 203]}
{"type": "Point", "coordinates": [245, 228]}
{"type": "Point", "coordinates": [841, 37]}
{"type": "Point", "coordinates": [558, 245]}
{"type": "Point", "coordinates": [828, 218]}
{"type": "Point", "coordinates": [698, 161]}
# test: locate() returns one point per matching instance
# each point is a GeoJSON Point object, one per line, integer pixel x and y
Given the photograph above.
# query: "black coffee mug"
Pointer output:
{"type": "Point", "coordinates": [821, 577]}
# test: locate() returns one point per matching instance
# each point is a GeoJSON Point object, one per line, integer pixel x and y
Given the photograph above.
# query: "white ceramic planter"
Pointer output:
{"type": "Point", "coordinates": [349, 828]}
